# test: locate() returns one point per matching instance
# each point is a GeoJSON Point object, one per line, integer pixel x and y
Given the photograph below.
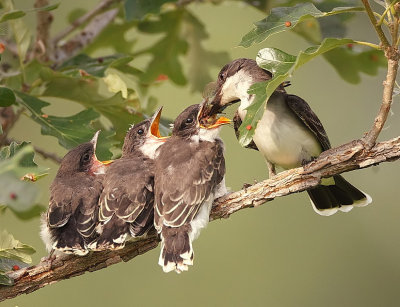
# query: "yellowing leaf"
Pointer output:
{"type": "Point", "coordinates": [115, 84]}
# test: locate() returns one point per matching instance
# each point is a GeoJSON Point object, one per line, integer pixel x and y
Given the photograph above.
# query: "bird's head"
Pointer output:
{"type": "Point", "coordinates": [83, 159]}
{"type": "Point", "coordinates": [234, 79]}
{"type": "Point", "coordinates": [194, 121]}
{"type": "Point", "coordinates": [144, 136]}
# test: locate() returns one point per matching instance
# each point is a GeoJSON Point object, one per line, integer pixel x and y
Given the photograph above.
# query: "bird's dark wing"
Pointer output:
{"type": "Point", "coordinates": [237, 121]}
{"type": "Point", "coordinates": [128, 190]}
{"type": "Point", "coordinates": [309, 118]}
{"type": "Point", "coordinates": [186, 176]}
{"type": "Point", "coordinates": [74, 198]}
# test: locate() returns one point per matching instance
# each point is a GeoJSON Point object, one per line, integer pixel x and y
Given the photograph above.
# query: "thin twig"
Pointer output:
{"type": "Point", "coordinates": [100, 8]}
{"type": "Point", "coordinates": [345, 158]}
{"type": "Point", "coordinates": [44, 20]}
{"type": "Point", "coordinates": [377, 27]}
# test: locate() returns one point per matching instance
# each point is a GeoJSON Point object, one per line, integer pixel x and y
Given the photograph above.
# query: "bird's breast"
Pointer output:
{"type": "Point", "coordinates": [283, 139]}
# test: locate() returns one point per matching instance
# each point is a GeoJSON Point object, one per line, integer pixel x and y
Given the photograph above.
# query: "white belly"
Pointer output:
{"type": "Point", "coordinates": [282, 139]}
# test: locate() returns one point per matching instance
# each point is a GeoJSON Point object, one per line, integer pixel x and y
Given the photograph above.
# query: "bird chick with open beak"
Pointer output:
{"type": "Point", "coordinates": [288, 135]}
{"type": "Point", "coordinates": [69, 223]}
{"type": "Point", "coordinates": [189, 175]}
{"type": "Point", "coordinates": [126, 203]}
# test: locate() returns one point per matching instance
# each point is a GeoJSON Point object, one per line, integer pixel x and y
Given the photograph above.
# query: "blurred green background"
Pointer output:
{"type": "Point", "coordinates": [279, 254]}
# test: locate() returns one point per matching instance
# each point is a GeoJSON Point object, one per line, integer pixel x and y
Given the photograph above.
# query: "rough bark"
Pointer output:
{"type": "Point", "coordinates": [347, 157]}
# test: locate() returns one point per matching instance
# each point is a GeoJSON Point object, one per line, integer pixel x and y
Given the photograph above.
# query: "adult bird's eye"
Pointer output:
{"type": "Point", "coordinates": [189, 120]}
{"type": "Point", "coordinates": [140, 131]}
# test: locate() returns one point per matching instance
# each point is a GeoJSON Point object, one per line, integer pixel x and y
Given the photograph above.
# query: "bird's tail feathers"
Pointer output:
{"type": "Point", "coordinates": [338, 196]}
{"type": "Point", "coordinates": [176, 249]}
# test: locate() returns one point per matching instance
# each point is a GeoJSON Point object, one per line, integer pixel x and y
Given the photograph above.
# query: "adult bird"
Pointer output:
{"type": "Point", "coordinates": [288, 135]}
{"type": "Point", "coordinates": [69, 224]}
{"type": "Point", "coordinates": [189, 175]}
{"type": "Point", "coordinates": [126, 203]}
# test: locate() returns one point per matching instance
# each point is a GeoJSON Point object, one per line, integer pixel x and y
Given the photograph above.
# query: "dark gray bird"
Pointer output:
{"type": "Point", "coordinates": [288, 135]}
{"type": "Point", "coordinates": [127, 201]}
{"type": "Point", "coordinates": [189, 175]}
{"type": "Point", "coordinates": [74, 194]}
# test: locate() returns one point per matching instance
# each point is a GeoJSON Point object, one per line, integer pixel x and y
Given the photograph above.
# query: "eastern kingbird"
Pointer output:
{"type": "Point", "coordinates": [288, 135]}
{"type": "Point", "coordinates": [74, 194]}
{"type": "Point", "coordinates": [189, 175]}
{"type": "Point", "coordinates": [127, 201]}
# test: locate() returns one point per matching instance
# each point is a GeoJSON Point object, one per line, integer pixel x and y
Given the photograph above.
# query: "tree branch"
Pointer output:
{"type": "Point", "coordinates": [44, 20]}
{"type": "Point", "coordinates": [350, 156]}
{"type": "Point", "coordinates": [85, 37]}
{"type": "Point", "coordinates": [392, 55]}
{"type": "Point", "coordinates": [100, 8]}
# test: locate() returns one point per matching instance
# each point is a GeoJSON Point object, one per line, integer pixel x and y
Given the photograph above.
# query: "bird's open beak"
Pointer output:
{"type": "Point", "coordinates": [94, 139]}
{"type": "Point", "coordinates": [155, 126]}
{"type": "Point", "coordinates": [216, 123]}
{"type": "Point", "coordinates": [98, 167]}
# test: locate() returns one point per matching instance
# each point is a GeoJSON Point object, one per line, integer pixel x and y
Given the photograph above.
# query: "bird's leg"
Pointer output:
{"type": "Point", "coordinates": [271, 169]}
{"type": "Point", "coordinates": [50, 258]}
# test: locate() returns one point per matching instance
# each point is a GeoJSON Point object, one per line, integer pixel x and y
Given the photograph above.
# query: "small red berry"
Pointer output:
{"type": "Point", "coordinates": [162, 77]}
{"type": "Point", "coordinates": [374, 58]}
{"type": "Point", "coordinates": [288, 24]}
{"type": "Point", "coordinates": [248, 127]}
{"type": "Point", "coordinates": [13, 196]}
{"type": "Point", "coordinates": [15, 267]}
{"type": "Point", "coordinates": [2, 48]}
{"type": "Point", "coordinates": [350, 46]}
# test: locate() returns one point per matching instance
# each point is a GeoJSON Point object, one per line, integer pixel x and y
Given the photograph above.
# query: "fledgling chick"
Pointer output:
{"type": "Point", "coordinates": [127, 201]}
{"type": "Point", "coordinates": [189, 175]}
{"type": "Point", "coordinates": [288, 135]}
{"type": "Point", "coordinates": [70, 221]}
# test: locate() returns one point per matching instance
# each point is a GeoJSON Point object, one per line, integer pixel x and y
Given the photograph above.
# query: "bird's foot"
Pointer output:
{"type": "Point", "coordinates": [49, 259]}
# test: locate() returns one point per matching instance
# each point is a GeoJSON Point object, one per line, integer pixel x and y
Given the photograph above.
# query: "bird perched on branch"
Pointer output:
{"type": "Point", "coordinates": [126, 203]}
{"type": "Point", "coordinates": [288, 135]}
{"type": "Point", "coordinates": [71, 217]}
{"type": "Point", "coordinates": [189, 175]}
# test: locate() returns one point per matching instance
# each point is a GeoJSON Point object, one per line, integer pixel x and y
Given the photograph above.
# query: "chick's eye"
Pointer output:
{"type": "Point", "coordinates": [189, 120]}
{"type": "Point", "coordinates": [221, 77]}
{"type": "Point", "coordinates": [140, 131]}
{"type": "Point", "coordinates": [86, 157]}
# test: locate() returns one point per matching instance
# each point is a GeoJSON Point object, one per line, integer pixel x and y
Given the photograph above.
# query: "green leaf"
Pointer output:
{"type": "Point", "coordinates": [6, 264]}
{"type": "Point", "coordinates": [13, 14]}
{"type": "Point", "coordinates": [282, 65]}
{"type": "Point", "coordinates": [23, 37]}
{"type": "Point", "coordinates": [19, 158]}
{"type": "Point", "coordinates": [357, 62]}
{"type": "Point", "coordinates": [71, 130]}
{"type": "Point", "coordinates": [121, 112]}
{"type": "Point", "coordinates": [7, 97]}
{"type": "Point", "coordinates": [6, 280]}
{"type": "Point", "coordinates": [169, 48]}
{"type": "Point", "coordinates": [30, 213]}
{"type": "Point", "coordinates": [286, 18]}
{"type": "Point", "coordinates": [254, 112]}
{"type": "Point", "coordinates": [95, 67]}
{"type": "Point", "coordinates": [14, 249]}
{"type": "Point", "coordinates": [138, 9]}
{"type": "Point", "coordinates": [46, 8]}
{"type": "Point", "coordinates": [200, 60]}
